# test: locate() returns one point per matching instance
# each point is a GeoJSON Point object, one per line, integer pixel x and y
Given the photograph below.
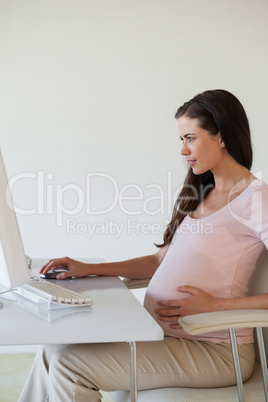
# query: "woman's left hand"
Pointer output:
{"type": "Point", "coordinates": [199, 301]}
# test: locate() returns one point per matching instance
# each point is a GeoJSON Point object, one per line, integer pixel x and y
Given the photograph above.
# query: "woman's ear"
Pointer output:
{"type": "Point", "coordinates": [221, 142]}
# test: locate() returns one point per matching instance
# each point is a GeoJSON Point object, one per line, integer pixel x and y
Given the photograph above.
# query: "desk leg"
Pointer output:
{"type": "Point", "coordinates": [133, 371]}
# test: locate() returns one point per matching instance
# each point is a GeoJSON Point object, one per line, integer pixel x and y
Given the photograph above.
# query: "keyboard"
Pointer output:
{"type": "Point", "coordinates": [43, 291]}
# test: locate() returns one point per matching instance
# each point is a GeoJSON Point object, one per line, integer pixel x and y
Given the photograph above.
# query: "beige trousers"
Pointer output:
{"type": "Point", "coordinates": [76, 372]}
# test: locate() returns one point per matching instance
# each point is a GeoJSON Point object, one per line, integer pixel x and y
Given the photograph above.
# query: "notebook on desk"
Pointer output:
{"type": "Point", "coordinates": [14, 271]}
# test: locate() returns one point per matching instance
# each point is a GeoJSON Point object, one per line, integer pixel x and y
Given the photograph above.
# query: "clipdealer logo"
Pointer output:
{"type": "Point", "coordinates": [99, 196]}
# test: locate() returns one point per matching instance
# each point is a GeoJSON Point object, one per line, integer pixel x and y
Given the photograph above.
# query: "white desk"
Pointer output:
{"type": "Point", "coordinates": [116, 316]}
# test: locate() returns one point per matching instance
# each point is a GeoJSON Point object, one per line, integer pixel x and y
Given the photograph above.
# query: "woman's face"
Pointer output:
{"type": "Point", "coordinates": [203, 151]}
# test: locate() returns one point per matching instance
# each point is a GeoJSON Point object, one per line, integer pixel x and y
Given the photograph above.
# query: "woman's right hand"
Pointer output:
{"type": "Point", "coordinates": [73, 267]}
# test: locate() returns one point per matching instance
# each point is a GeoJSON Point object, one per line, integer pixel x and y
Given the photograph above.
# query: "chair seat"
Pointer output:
{"type": "Point", "coordinates": [254, 392]}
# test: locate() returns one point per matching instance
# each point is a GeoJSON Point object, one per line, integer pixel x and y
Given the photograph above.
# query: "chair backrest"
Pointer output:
{"type": "Point", "coordinates": [258, 284]}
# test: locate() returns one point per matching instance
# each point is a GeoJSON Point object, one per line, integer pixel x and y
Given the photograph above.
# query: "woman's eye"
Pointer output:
{"type": "Point", "coordinates": [188, 139]}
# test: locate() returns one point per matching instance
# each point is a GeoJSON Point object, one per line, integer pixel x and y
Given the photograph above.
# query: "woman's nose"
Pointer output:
{"type": "Point", "coordinates": [184, 149]}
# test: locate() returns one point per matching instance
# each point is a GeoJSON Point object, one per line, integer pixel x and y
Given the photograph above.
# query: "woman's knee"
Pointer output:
{"type": "Point", "coordinates": [59, 362]}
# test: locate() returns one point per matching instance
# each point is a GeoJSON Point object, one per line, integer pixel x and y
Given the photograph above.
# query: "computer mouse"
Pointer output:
{"type": "Point", "coordinates": [52, 274]}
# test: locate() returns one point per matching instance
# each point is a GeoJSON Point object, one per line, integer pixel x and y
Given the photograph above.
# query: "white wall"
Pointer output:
{"type": "Point", "coordinates": [91, 87]}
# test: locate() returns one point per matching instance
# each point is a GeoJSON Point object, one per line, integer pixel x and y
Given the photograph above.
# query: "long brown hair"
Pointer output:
{"type": "Point", "coordinates": [217, 111]}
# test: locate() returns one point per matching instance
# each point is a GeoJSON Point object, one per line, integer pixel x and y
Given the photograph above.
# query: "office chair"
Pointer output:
{"type": "Point", "coordinates": [253, 390]}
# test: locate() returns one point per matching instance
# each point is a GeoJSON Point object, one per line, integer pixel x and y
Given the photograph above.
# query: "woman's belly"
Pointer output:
{"type": "Point", "coordinates": [171, 274]}
{"type": "Point", "coordinates": [167, 291]}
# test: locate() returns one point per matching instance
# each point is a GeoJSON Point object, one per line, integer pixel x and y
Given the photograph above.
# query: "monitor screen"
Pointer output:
{"type": "Point", "coordinates": [13, 267]}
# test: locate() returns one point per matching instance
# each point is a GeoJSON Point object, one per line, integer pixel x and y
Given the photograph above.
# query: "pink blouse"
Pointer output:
{"type": "Point", "coordinates": [217, 253]}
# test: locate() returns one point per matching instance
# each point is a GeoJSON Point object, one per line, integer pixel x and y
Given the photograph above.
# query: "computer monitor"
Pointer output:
{"type": "Point", "coordinates": [14, 270]}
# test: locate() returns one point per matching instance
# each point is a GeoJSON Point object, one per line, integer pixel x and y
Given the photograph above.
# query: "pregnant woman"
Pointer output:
{"type": "Point", "coordinates": [218, 229]}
